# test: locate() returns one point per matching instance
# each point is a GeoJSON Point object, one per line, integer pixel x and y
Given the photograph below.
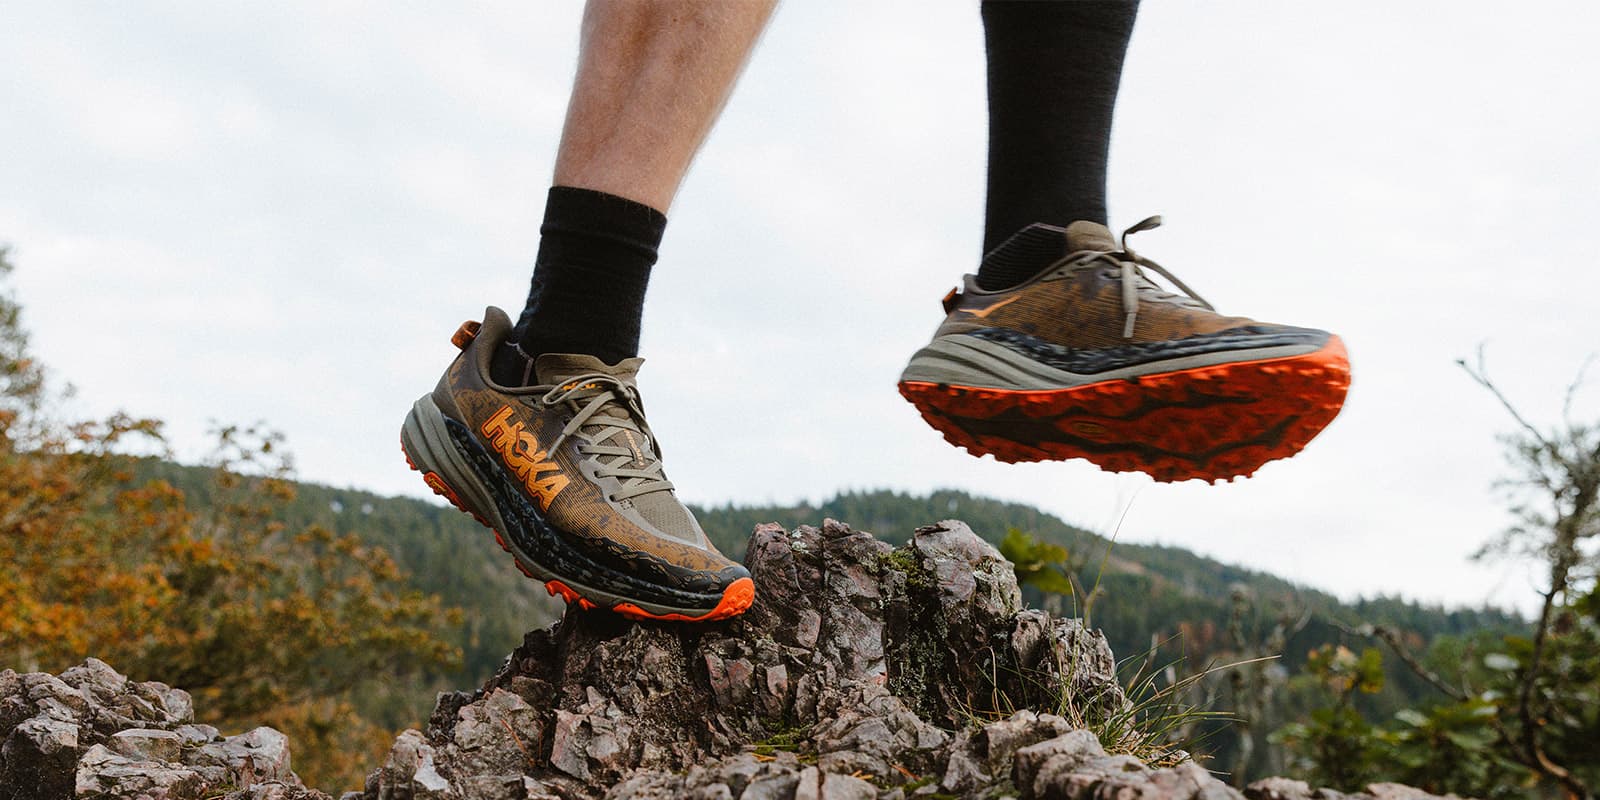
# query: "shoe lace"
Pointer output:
{"type": "Point", "coordinates": [1134, 281]}
{"type": "Point", "coordinates": [607, 437]}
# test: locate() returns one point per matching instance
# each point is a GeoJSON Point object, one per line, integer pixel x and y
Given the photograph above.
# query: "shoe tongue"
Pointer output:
{"type": "Point", "coordinates": [555, 368]}
{"type": "Point", "coordinates": [659, 508]}
{"type": "Point", "coordinates": [1086, 235]}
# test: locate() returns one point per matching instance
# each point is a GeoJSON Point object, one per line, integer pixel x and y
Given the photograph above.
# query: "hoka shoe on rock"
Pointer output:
{"type": "Point", "coordinates": [1091, 359]}
{"type": "Point", "coordinates": [569, 477]}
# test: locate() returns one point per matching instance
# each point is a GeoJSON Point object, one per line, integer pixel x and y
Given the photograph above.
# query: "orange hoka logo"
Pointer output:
{"type": "Point", "coordinates": [522, 454]}
{"type": "Point", "coordinates": [990, 309]}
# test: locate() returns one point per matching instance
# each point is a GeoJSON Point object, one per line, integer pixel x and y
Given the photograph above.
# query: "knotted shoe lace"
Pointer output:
{"type": "Point", "coordinates": [1091, 358]}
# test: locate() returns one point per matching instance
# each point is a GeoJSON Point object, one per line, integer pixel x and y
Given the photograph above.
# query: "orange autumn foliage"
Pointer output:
{"type": "Point", "coordinates": [264, 625]}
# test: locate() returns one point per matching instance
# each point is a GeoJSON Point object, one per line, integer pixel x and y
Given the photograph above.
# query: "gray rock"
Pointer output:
{"type": "Point", "coordinates": [96, 679]}
{"type": "Point", "coordinates": [92, 733]}
{"type": "Point", "coordinates": [498, 735]}
{"type": "Point", "coordinates": [147, 744]}
{"type": "Point", "coordinates": [772, 787]}
{"type": "Point", "coordinates": [39, 756]}
{"type": "Point", "coordinates": [427, 780]}
{"type": "Point", "coordinates": [1278, 789]}
{"type": "Point", "coordinates": [274, 791]}
{"type": "Point", "coordinates": [53, 697]}
{"type": "Point", "coordinates": [1039, 767]}
{"type": "Point", "coordinates": [1395, 791]}
{"type": "Point", "coordinates": [195, 735]}
{"type": "Point", "coordinates": [1074, 765]}
{"type": "Point", "coordinates": [397, 779]}
{"type": "Point", "coordinates": [815, 784]}
{"type": "Point", "coordinates": [249, 758]}
{"type": "Point", "coordinates": [648, 785]}
{"type": "Point", "coordinates": [496, 787]}
{"type": "Point", "coordinates": [104, 774]}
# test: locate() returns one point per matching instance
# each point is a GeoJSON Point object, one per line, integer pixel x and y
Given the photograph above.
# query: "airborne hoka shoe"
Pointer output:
{"type": "Point", "coordinates": [1090, 359]}
{"type": "Point", "coordinates": [569, 477]}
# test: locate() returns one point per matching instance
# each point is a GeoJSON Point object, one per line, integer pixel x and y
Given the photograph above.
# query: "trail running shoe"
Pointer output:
{"type": "Point", "coordinates": [569, 477]}
{"type": "Point", "coordinates": [1091, 359]}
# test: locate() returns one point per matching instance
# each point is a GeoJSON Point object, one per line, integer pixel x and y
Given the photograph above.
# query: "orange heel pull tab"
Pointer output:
{"type": "Point", "coordinates": [466, 333]}
{"type": "Point", "coordinates": [950, 300]}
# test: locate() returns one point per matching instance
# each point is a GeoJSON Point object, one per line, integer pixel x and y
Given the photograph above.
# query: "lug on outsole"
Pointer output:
{"type": "Point", "coordinates": [736, 599]}
{"type": "Point", "coordinates": [1213, 423]}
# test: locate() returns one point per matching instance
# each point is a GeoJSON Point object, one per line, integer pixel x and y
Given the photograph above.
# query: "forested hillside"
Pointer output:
{"type": "Point", "coordinates": [443, 551]}
{"type": "Point", "coordinates": [1156, 604]}
{"type": "Point", "coordinates": [1147, 589]}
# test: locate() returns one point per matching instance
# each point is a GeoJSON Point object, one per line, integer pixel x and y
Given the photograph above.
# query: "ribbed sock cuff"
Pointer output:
{"type": "Point", "coordinates": [589, 280]}
{"type": "Point", "coordinates": [629, 226]}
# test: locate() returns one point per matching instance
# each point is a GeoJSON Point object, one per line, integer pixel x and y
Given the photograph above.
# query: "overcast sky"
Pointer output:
{"type": "Point", "coordinates": [281, 211]}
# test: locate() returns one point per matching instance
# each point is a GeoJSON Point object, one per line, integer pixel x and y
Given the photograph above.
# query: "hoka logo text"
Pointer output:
{"type": "Point", "coordinates": [521, 452]}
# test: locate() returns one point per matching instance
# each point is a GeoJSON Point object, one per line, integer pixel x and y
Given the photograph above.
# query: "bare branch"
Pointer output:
{"type": "Point", "coordinates": [1572, 389]}
{"type": "Point", "coordinates": [1481, 375]}
{"type": "Point", "coordinates": [1392, 639]}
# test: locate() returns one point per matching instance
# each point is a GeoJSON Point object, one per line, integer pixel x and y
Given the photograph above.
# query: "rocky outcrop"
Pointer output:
{"type": "Point", "coordinates": [92, 733]}
{"type": "Point", "coordinates": [863, 671]}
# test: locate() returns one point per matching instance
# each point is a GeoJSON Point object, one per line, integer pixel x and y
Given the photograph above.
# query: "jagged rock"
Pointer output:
{"type": "Point", "coordinates": [256, 756]}
{"type": "Point", "coordinates": [859, 673]}
{"type": "Point", "coordinates": [104, 774]}
{"type": "Point", "coordinates": [39, 755]}
{"type": "Point", "coordinates": [859, 654]}
{"type": "Point", "coordinates": [981, 755]}
{"type": "Point", "coordinates": [92, 733]}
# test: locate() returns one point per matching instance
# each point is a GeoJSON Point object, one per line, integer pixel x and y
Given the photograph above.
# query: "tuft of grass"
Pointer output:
{"type": "Point", "coordinates": [1159, 722]}
{"type": "Point", "coordinates": [1157, 725]}
{"type": "Point", "coordinates": [789, 740]}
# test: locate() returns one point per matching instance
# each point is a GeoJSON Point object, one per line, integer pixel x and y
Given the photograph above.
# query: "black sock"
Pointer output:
{"type": "Point", "coordinates": [1054, 70]}
{"type": "Point", "coordinates": [587, 294]}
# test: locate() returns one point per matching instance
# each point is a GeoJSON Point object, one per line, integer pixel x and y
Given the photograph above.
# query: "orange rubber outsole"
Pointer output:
{"type": "Point", "coordinates": [1213, 423]}
{"type": "Point", "coordinates": [736, 599]}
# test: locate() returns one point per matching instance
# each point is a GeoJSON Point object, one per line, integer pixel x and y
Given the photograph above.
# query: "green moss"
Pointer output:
{"type": "Point", "coordinates": [789, 740]}
{"type": "Point", "coordinates": [904, 561]}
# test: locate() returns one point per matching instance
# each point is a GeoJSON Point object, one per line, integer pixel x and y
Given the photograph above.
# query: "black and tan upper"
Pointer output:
{"type": "Point", "coordinates": [1094, 305]}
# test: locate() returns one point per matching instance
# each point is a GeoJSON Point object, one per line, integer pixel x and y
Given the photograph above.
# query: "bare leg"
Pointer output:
{"type": "Point", "coordinates": [652, 77]}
